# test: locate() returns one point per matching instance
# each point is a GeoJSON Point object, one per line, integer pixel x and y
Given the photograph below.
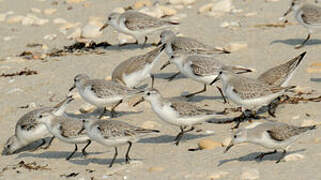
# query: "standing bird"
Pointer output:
{"type": "Point", "coordinates": [136, 24]}
{"type": "Point", "coordinates": [271, 135]}
{"type": "Point", "coordinates": [203, 69]}
{"type": "Point", "coordinates": [114, 133]}
{"type": "Point", "coordinates": [65, 129]}
{"type": "Point", "coordinates": [178, 113]}
{"type": "Point", "coordinates": [29, 129]}
{"type": "Point", "coordinates": [100, 92]}
{"type": "Point", "coordinates": [134, 70]}
{"type": "Point", "coordinates": [308, 15]}
{"type": "Point", "coordinates": [184, 45]}
{"type": "Point", "coordinates": [249, 93]}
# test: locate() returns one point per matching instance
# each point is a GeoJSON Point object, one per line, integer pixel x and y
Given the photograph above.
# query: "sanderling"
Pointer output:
{"type": "Point", "coordinates": [184, 45]}
{"type": "Point", "coordinates": [114, 133]}
{"type": "Point", "coordinates": [65, 129]}
{"type": "Point", "coordinates": [249, 93]}
{"type": "Point", "coordinates": [308, 15]}
{"type": "Point", "coordinates": [271, 135]}
{"type": "Point", "coordinates": [203, 69]}
{"type": "Point", "coordinates": [137, 24]}
{"type": "Point", "coordinates": [178, 113]}
{"type": "Point", "coordinates": [29, 130]}
{"type": "Point", "coordinates": [280, 75]}
{"type": "Point", "coordinates": [100, 92]}
{"type": "Point", "coordinates": [134, 70]}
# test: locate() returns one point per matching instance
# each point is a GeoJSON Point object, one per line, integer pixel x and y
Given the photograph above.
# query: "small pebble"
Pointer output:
{"type": "Point", "coordinates": [156, 169]}
{"type": "Point", "coordinates": [235, 46]}
{"type": "Point", "coordinates": [208, 144]}
{"type": "Point", "coordinates": [50, 11]}
{"type": "Point", "coordinates": [218, 175]}
{"type": "Point", "coordinates": [293, 157]}
{"type": "Point", "coordinates": [250, 174]}
{"type": "Point", "coordinates": [50, 37]}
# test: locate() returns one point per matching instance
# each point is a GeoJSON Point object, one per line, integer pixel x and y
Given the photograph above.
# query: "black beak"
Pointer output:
{"type": "Point", "coordinates": [159, 43]}
{"type": "Point", "coordinates": [164, 65]}
{"type": "Point", "coordinates": [82, 129]}
{"type": "Point", "coordinates": [288, 11]}
{"type": "Point", "coordinates": [103, 27]}
{"type": "Point", "coordinates": [138, 102]}
{"type": "Point", "coordinates": [229, 147]}
{"type": "Point", "coordinates": [217, 78]}
{"type": "Point", "coordinates": [73, 87]}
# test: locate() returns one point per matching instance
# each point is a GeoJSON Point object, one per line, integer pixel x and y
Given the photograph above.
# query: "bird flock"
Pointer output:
{"type": "Point", "coordinates": [193, 59]}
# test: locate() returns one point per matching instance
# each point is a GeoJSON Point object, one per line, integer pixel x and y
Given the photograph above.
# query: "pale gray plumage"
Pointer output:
{"type": "Point", "coordinates": [281, 74]}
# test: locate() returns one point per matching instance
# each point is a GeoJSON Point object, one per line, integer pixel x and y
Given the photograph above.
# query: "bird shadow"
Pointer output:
{"type": "Point", "coordinates": [315, 79]}
{"type": "Point", "coordinates": [167, 75]}
{"type": "Point", "coordinates": [252, 157]}
{"type": "Point", "coordinates": [199, 98]}
{"type": "Point", "coordinates": [297, 42]}
{"type": "Point", "coordinates": [54, 154]}
{"type": "Point", "coordinates": [129, 46]}
{"type": "Point", "coordinates": [170, 139]}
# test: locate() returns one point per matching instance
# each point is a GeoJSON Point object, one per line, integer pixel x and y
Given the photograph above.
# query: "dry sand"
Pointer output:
{"type": "Point", "coordinates": [156, 157]}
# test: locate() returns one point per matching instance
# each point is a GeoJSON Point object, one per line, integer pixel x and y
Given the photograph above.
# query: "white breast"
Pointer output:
{"type": "Point", "coordinates": [27, 137]}
{"type": "Point", "coordinates": [90, 97]}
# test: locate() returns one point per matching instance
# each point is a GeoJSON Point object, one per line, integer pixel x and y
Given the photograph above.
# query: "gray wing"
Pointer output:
{"type": "Point", "coordinates": [282, 132]}
{"type": "Point", "coordinates": [28, 121]}
{"type": "Point", "coordinates": [70, 127]}
{"type": "Point", "coordinates": [251, 88]}
{"type": "Point", "coordinates": [204, 66]}
{"type": "Point", "coordinates": [192, 46]}
{"type": "Point", "coordinates": [103, 88]}
{"type": "Point", "coordinates": [115, 128]}
{"type": "Point", "coordinates": [188, 109]}
{"type": "Point", "coordinates": [137, 21]}
{"type": "Point", "coordinates": [276, 76]}
{"type": "Point", "coordinates": [311, 14]}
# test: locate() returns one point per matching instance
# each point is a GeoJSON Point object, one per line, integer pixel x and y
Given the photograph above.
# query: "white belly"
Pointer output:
{"type": "Point", "coordinates": [27, 137]}
{"type": "Point", "coordinates": [135, 78]}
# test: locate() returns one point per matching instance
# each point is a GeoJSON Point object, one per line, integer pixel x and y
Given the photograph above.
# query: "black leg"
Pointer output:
{"type": "Point", "coordinates": [173, 76]}
{"type": "Point", "coordinates": [145, 41]}
{"type": "Point", "coordinates": [49, 143]}
{"type": "Point", "coordinates": [102, 114]}
{"type": "Point", "coordinates": [113, 108]}
{"type": "Point", "coordinates": [180, 133]}
{"type": "Point", "coordinates": [113, 160]}
{"type": "Point", "coordinates": [127, 153]}
{"type": "Point", "coordinates": [153, 79]}
{"type": "Point", "coordinates": [76, 148]}
{"type": "Point", "coordinates": [179, 136]}
{"type": "Point", "coordinates": [303, 43]}
{"type": "Point", "coordinates": [222, 94]}
{"type": "Point", "coordinates": [83, 151]}
{"type": "Point", "coordinates": [198, 92]}
{"type": "Point", "coordinates": [283, 155]}
{"type": "Point", "coordinates": [165, 65]}
{"type": "Point", "coordinates": [260, 157]}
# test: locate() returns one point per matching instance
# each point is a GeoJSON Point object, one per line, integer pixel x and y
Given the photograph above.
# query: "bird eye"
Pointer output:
{"type": "Point", "coordinates": [8, 146]}
{"type": "Point", "coordinates": [235, 136]}
{"type": "Point", "coordinates": [40, 116]}
{"type": "Point", "coordinates": [148, 93]}
{"type": "Point", "coordinates": [109, 18]}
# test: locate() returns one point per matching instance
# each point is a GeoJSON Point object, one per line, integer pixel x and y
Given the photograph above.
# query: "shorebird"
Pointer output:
{"type": "Point", "coordinates": [184, 45]}
{"type": "Point", "coordinates": [308, 15]}
{"type": "Point", "coordinates": [114, 133]}
{"type": "Point", "coordinates": [29, 130]}
{"type": "Point", "coordinates": [203, 69]}
{"type": "Point", "coordinates": [100, 92]}
{"type": "Point", "coordinates": [137, 24]}
{"type": "Point", "coordinates": [178, 113]}
{"type": "Point", "coordinates": [134, 70]}
{"type": "Point", "coordinates": [249, 93]}
{"type": "Point", "coordinates": [65, 129]}
{"type": "Point", "coordinates": [271, 135]}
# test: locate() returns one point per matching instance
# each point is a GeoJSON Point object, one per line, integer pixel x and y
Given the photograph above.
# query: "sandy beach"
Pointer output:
{"type": "Point", "coordinates": [37, 27]}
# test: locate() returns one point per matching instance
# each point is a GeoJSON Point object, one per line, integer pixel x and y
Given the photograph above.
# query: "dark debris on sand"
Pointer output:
{"type": "Point", "coordinates": [25, 72]}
